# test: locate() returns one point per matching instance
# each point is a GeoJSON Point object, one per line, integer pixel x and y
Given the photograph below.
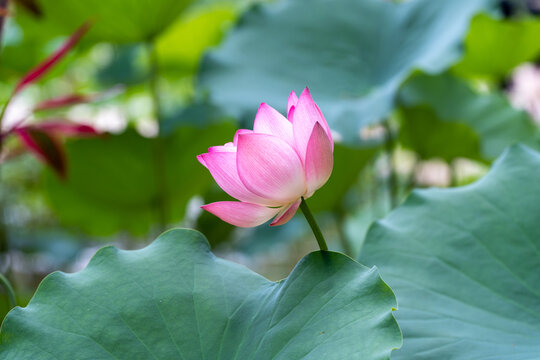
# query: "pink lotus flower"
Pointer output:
{"type": "Point", "coordinates": [272, 167]}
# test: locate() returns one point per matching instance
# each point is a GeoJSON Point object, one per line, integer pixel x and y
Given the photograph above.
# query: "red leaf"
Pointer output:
{"type": "Point", "coordinates": [63, 101]}
{"type": "Point", "coordinates": [72, 99]}
{"type": "Point", "coordinates": [45, 146]}
{"type": "Point", "coordinates": [67, 129]}
{"type": "Point", "coordinates": [46, 65]}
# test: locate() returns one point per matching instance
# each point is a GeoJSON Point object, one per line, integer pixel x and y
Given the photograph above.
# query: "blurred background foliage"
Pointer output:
{"type": "Point", "coordinates": [418, 93]}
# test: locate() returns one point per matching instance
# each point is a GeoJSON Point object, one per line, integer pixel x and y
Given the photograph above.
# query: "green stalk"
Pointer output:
{"type": "Point", "coordinates": [3, 234]}
{"type": "Point", "coordinates": [159, 148]}
{"type": "Point", "coordinates": [154, 75]}
{"type": "Point", "coordinates": [9, 289]}
{"type": "Point", "coordinates": [340, 224]}
{"type": "Point", "coordinates": [4, 246]}
{"type": "Point", "coordinates": [3, 7]}
{"type": "Point", "coordinates": [392, 178]}
{"type": "Point", "coordinates": [314, 227]}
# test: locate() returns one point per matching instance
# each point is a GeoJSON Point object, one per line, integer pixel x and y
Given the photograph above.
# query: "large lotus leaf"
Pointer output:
{"type": "Point", "coordinates": [114, 183]}
{"type": "Point", "coordinates": [464, 264]}
{"type": "Point", "coordinates": [175, 300]}
{"type": "Point", "coordinates": [422, 131]}
{"type": "Point", "coordinates": [178, 49]}
{"type": "Point", "coordinates": [494, 47]}
{"type": "Point", "coordinates": [114, 20]}
{"type": "Point", "coordinates": [352, 54]}
{"type": "Point", "coordinates": [441, 111]}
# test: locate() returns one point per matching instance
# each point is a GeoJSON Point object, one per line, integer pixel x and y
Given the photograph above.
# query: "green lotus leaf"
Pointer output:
{"type": "Point", "coordinates": [114, 20]}
{"type": "Point", "coordinates": [175, 300]}
{"type": "Point", "coordinates": [114, 183]}
{"type": "Point", "coordinates": [444, 117]}
{"type": "Point", "coordinates": [352, 54]}
{"type": "Point", "coordinates": [464, 264]}
{"type": "Point", "coordinates": [494, 47]}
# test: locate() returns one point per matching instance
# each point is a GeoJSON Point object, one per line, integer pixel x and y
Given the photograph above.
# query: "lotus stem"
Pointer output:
{"type": "Point", "coordinates": [9, 290]}
{"type": "Point", "coordinates": [314, 226]}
